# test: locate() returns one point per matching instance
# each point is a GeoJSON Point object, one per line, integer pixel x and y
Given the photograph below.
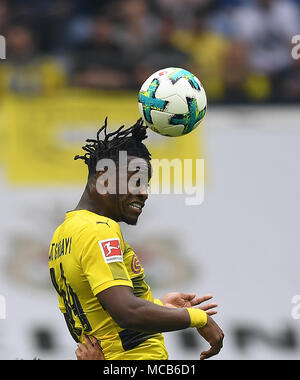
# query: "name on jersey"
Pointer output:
{"type": "Point", "coordinates": [111, 250]}
{"type": "Point", "coordinates": [61, 248]}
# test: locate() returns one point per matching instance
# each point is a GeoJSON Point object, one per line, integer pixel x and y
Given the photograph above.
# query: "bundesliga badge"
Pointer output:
{"type": "Point", "coordinates": [111, 250]}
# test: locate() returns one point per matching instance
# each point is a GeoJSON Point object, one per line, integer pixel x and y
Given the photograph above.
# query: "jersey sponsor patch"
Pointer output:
{"type": "Point", "coordinates": [111, 250]}
{"type": "Point", "coordinates": [135, 265]}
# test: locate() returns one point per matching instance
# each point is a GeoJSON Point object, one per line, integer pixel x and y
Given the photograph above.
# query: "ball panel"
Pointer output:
{"type": "Point", "coordinates": [162, 126]}
{"type": "Point", "coordinates": [160, 119]}
{"type": "Point", "coordinates": [201, 99]}
{"type": "Point", "coordinates": [172, 131]}
{"type": "Point", "coordinates": [150, 102]}
{"type": "Point", "coordinates": [165, 89]}
{"type": "Point", "coordinates": [179, 74]}
{"type": "Point", "coordinates": [184, 90]}
{"type": "Point", "coordinates": [176, 105]}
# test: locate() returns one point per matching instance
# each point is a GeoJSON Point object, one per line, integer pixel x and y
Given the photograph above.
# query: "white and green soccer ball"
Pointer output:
{"type": "Point", "coordinates": [172, 102]}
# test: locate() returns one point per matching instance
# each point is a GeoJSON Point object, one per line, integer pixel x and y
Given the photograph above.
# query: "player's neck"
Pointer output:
{"type": "Point", "coordinates": [88, 203]}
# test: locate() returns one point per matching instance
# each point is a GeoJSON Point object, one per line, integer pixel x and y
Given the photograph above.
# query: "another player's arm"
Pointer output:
{"type": "Point", "coordinates": [131, 312]}
{"type": "Point", "coordinates": [90, 350]}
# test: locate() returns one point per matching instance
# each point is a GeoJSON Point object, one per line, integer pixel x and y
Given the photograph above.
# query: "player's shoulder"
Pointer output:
{"type": "Point", "coordinates": [86, 220]}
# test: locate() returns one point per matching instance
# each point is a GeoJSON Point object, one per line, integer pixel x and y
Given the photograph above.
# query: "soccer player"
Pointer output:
{"type": "Point", "coordinates": [99, 280]}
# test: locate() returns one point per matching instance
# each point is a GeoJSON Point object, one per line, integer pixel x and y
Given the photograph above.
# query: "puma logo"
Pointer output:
{"type": "Point", "coordinates": [104, 223]}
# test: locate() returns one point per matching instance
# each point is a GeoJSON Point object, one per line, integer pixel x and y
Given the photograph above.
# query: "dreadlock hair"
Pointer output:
{"type": "Point", "coordinates": [129, 140]}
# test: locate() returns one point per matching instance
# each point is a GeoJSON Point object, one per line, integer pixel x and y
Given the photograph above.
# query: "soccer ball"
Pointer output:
{"type": "Point", "coordinates": [172, 102]}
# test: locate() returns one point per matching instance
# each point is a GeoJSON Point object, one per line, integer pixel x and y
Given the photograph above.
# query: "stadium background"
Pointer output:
{"type": "Point", "coordinates": [71, 63]}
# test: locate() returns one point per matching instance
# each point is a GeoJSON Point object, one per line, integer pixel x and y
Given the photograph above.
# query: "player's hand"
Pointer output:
{"type": "Point", "coordinates": [177, 300]}
{"type": "Point", "coordinates": [212, 333]}
{"type": "Point", "coordinates": [90, 350]}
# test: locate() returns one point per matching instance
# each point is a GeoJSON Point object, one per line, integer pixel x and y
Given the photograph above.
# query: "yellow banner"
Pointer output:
{"type": "Point", "coordinates": [43, 134]}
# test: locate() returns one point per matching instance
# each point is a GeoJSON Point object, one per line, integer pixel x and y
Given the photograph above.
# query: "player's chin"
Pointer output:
{"type": "Point", "coordinates": [130, 220]}
{"type": "Point", "coordinates": [131, 215]}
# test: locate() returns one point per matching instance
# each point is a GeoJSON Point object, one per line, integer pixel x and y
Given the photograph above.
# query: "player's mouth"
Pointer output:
{"type": "Point", "coordinates": [136, 206]}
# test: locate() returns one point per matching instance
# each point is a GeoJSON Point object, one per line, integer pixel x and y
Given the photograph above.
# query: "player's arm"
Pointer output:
{"type": "Point", "coordinates": [131, 312]}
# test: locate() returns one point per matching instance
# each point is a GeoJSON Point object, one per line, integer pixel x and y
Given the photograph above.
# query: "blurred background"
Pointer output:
{"type": "Point", "coordinates": [70, 63]}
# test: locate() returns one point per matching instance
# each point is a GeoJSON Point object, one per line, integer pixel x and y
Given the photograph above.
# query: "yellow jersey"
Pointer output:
{"type": "Point", "coordinates": [88, 255]}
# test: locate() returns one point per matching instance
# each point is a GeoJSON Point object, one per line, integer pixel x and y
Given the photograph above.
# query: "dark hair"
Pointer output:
{"type": "Point", "coordinates": [129, 140]}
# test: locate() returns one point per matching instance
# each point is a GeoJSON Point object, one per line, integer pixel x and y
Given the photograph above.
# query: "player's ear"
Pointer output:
{"type": "Point", "coordinates": [104, 183]}
{"type": "Point", "coordinates": [92, 182]}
